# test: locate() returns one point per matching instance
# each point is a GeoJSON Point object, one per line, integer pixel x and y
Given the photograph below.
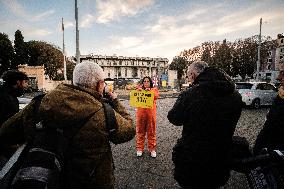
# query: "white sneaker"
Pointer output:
{"type": "Point", "coordinates": [153, 154]}
{"type": "Point", "coordinates": [139, 153]}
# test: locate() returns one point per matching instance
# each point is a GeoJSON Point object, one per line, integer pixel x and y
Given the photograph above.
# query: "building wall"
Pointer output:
{"type": "Point", "coordinates": [37, 78]}
{"type": "Point", "coordinates": [275, 57]}
{"type": "Point", "coordinates": [120, 67]}
{"type": "Point", "coordinates": [172, 74]}
{"type": "Point", "coordinates": [36, 75]}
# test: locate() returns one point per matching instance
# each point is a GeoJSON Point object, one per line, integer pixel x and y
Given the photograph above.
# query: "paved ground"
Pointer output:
{"type": "Point", "coordinates": [149, 173]}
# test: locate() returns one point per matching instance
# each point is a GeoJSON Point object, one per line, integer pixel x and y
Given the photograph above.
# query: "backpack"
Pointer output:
{"type": "Point", "coordinates": [43, 160]}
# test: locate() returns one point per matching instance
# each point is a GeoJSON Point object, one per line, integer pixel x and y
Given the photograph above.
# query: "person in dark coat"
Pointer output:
{"type": "Point", "coordinates": [272, 134]}
{"type": "Point", "coordinates": [208, 111]}
{"type": "Point", "coordinates": [89, 163]}
{"type": "Point", "coordinates": [15, 82]}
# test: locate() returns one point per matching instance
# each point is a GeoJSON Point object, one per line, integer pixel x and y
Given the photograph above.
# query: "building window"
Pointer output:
{"type": "Point", "coordinates": [134, 73]}
{"type": "Point", "coordinates": [119, 72]}
{"type": "Point", "coordinates": [120, 62]}
{"type": "Point", "coordinates": [125, 72]}
{"type": "Point", "coordinates": [108, 74]}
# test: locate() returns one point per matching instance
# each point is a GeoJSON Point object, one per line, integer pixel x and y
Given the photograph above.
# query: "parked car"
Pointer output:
{"type": "Point", "coordinates": [256, 94]}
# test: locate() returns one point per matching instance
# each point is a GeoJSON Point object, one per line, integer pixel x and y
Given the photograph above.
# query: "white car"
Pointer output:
{"type": "Point", "coordinates": [256, 94]}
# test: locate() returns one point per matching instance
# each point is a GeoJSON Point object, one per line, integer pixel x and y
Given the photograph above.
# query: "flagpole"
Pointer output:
{"type": "Point", "coordinates": [64, 60]}
{"type": "Point", "coordinates": [77, 34]}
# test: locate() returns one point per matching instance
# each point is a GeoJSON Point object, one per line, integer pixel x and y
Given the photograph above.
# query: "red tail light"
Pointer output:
{"type": "Point", "coordinates": [248, 94]}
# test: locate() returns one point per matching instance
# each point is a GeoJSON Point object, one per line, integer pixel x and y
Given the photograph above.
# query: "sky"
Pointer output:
{"type": "Point", "coordinates": [147, 28]}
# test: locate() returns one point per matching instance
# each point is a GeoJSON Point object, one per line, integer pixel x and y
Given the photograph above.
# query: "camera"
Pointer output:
{"type": "Point", "coordinates": [106, 96]}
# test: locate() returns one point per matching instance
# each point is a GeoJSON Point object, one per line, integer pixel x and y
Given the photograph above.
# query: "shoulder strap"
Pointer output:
{"type": "Point", "coordinates": [111, 122]}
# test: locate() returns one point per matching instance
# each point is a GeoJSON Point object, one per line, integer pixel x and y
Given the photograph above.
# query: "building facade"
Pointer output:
{"type": "Point", "coordinates": [275, 57]}
{"type": "Point", "coordinates": [126, 68]}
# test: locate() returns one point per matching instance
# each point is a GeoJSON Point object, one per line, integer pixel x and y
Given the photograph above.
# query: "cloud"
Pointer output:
{"type": "Point", "coordinates": [247, 19]}
{"type": "Point", "coordinates": [114, 9]}
{"type": "Point", "coordinates": [68, 24]}
{"type": "Point", "coordinates": [87, 21]}
{"type": "Point", "coordinates": [18, 10]}
{"type": "Point", "coordinates": [41, 16]}
{"type": "Point", "coordinates": [171, 34]}
{"type": "Point", "coordinates": [36, 32]}
{"type": "Point", "coordinates": [126, 42]}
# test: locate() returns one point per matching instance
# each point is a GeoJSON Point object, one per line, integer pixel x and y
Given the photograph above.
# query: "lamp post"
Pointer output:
{"type": "Point", "coordinates": [64, 60]}
{"type": "Point", "coordinates": [258, 51]}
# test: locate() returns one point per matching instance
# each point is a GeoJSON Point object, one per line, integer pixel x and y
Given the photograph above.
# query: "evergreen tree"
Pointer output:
{"type": "Point", "coordinates": [6, 53]}
{"type": "Point", "coordinates": [21, 55]}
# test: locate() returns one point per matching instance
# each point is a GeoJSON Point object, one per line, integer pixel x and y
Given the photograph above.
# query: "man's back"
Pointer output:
{"type": "Point", "coordinates": [209, 112]}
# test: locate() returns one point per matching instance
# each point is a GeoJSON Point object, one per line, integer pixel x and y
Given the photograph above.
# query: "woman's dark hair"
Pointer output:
{"type": "Point", "coordinates": [11, 77]}
{"type": "Point", "coordinates": [151, 82]}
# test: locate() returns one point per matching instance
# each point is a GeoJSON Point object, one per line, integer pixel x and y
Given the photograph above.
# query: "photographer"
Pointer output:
{"type": "Point", "coordinates": [89, 163]}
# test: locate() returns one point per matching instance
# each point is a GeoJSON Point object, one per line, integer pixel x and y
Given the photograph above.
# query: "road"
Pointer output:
{"type": "Point", "coordinates": [148, 173]}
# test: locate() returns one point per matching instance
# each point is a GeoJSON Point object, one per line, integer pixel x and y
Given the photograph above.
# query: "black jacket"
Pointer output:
{"type": "Point", "coordinates": [9, 104]}
{"type": "Point", "coordinates": [272, 134]}
{"type": "Point", "coordinates": [208, 112]}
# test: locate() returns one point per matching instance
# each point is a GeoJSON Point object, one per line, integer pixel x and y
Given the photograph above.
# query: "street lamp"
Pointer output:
{"type": "Point", "coordinates": [258, 51]}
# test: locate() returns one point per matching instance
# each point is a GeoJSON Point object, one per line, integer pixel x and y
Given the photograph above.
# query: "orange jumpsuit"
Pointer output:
{"type": "Point", "coordinates": [146, 124]}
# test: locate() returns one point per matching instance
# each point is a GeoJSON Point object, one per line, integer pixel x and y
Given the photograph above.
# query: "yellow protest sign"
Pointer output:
{"type": "Point", "coordinates": [164, 83]}
{"type": "Point", "coordinates": [141, 99]}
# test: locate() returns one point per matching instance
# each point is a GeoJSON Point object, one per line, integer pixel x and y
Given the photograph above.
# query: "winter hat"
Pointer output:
{"type": "Point", "coordinates": [87, 74]}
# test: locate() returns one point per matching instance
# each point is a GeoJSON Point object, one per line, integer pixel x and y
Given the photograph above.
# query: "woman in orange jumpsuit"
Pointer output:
{"type": "Point", "coordinates": [146, 121]}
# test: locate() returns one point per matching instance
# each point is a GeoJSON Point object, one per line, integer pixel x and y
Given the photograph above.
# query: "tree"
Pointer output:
{"type": "Point", "coordinates": [179, 64]}
{"type": "Point", "coordinates": [21, 55]}
{"type": "Point", "coordinates": [206, 56]}
{"type": "Point", "coordinates": [69, 69]}
{"type": "Point", "coordinates": [42, 53]}
{"type": "Point", "coordinates": [223, 57]}
{"type": "Point", "coordinates": [245, 57]}
{"type": "Point", "coordinates": [6, 53]}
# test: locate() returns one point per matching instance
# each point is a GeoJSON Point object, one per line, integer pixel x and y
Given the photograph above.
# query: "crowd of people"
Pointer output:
{"type": "Point", "coordinates": [208, 111]}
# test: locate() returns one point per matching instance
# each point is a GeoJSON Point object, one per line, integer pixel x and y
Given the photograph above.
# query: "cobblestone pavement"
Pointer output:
{"type": "Point", "coordinates": [148, 173]}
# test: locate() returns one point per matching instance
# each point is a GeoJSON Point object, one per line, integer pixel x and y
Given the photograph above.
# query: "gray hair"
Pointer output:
{"type": "Point", "coordinates": [87, 74]}
{"type": "Point", "coordinates": [199, 66]}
